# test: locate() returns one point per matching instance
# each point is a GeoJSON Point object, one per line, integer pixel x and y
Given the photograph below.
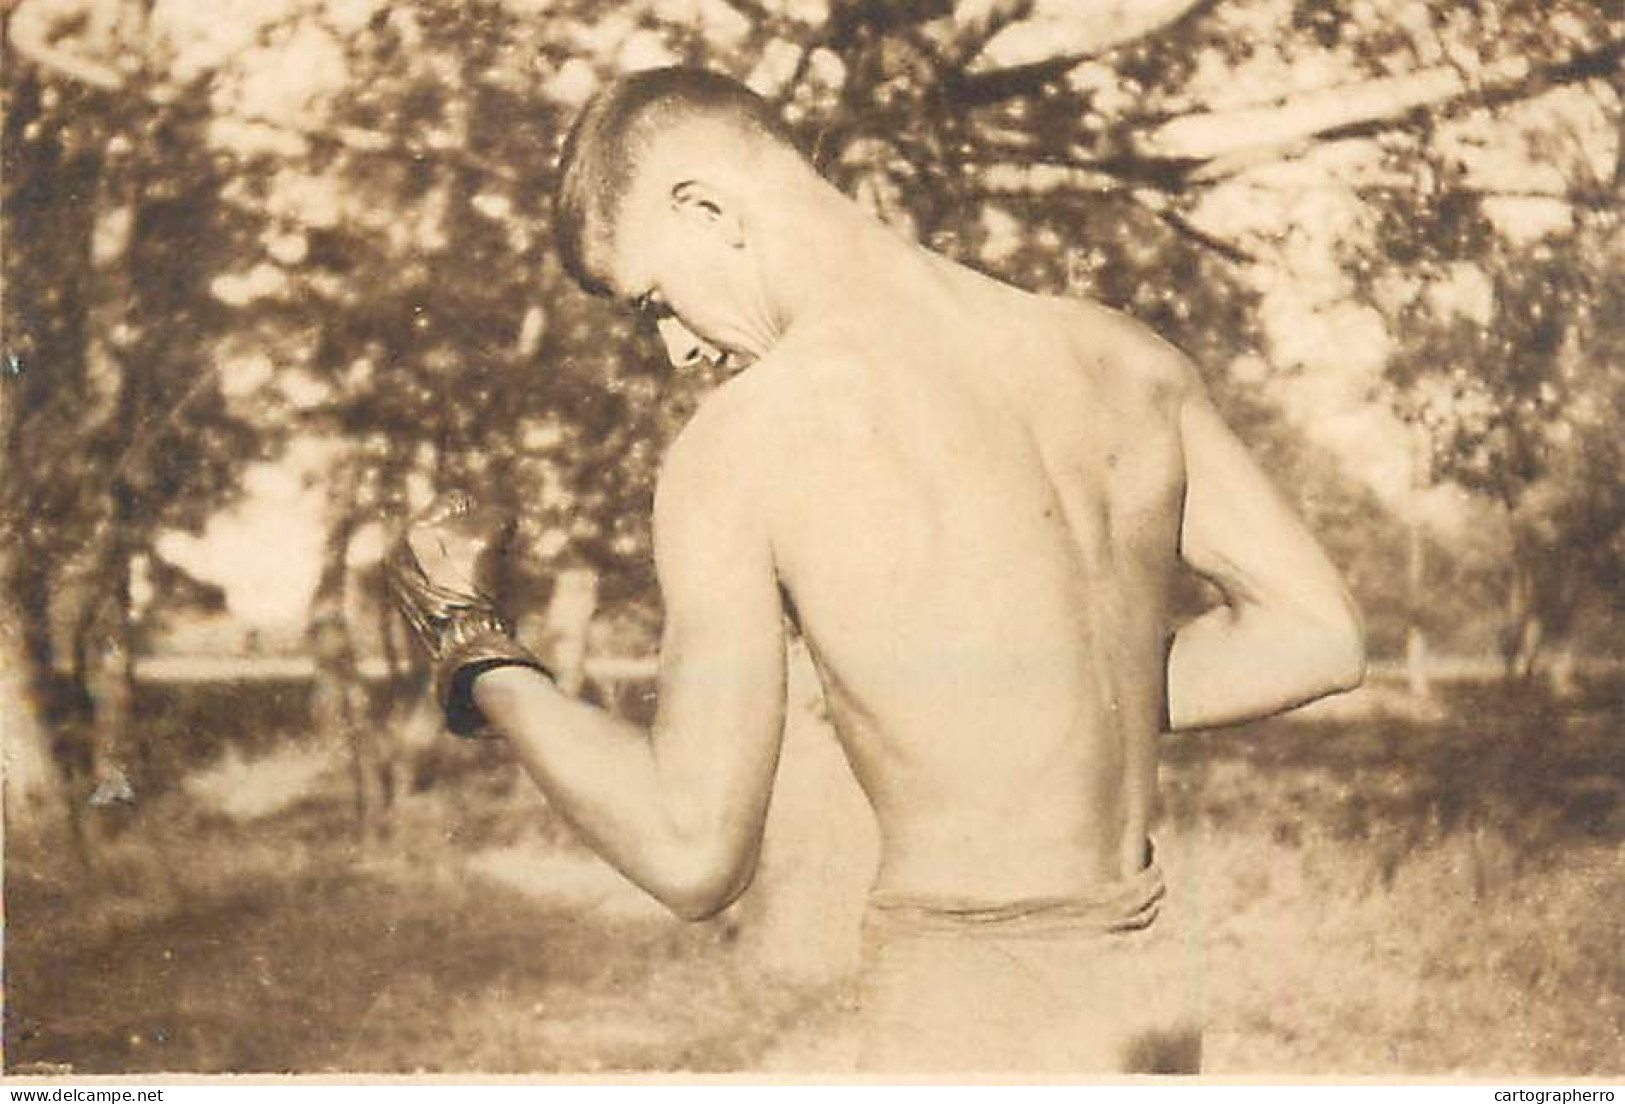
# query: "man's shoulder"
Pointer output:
{"type": "Point", "coordinates": [731, 416]}
{"type": "Point", "coordinates": [1129, 350]}
{"type": "Point", "coordinates": [726, 443]}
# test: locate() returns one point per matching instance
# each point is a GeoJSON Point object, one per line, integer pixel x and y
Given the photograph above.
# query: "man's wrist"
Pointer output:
{"type": "Point", "coordinates": [467, 677]}
{"type": "Point", "coordinates": [502, 691]}
{"type": "Point", "coordinates": [478, 654]}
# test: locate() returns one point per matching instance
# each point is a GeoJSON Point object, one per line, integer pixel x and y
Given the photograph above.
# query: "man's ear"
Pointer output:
{"type": "Point", "coordinates": [716, 209]}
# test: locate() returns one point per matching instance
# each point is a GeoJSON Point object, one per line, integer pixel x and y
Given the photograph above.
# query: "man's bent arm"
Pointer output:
{"type": "Point", "coordinates": [1287, 632]}
{"type": "Point", "coordinates": [679, 810]}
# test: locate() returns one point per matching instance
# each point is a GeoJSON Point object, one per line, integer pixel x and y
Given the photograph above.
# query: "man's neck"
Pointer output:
{"type": "Point", "coordinates": [837, 265]}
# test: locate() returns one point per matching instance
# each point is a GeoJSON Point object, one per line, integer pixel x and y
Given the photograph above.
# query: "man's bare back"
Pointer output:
{"type": "Point", "coordinates": [973, 501]}
{"type": "Point", "coordinates": [975, 512]}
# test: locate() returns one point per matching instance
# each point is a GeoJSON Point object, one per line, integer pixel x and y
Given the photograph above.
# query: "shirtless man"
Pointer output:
{"type": "Point", "coordinates": [973, 502]}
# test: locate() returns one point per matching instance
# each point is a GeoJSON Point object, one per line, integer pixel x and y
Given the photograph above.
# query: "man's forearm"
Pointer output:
{"type": "Point", "coordinates": [1225, 667]}
{"type": "Point", "coordinates": [601, 774]}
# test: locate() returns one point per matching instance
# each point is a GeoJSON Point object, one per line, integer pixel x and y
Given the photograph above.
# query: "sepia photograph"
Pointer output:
{"type": "Point", "coordinates": [813, 540]}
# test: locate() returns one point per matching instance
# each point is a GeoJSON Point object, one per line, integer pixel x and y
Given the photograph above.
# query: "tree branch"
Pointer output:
{"type": "Point", "coordinates": [1035, 178]}
{"type": "Point", "coordinates": [797, 75]}
{"type": "Point", "coordinates": [774, 22]}
{"type": "Point", "coordinates": [1182, 226]}
{"type": "Point", "coordinates": [31, 29]}
{"type": "Point", "coordinates": [1055, 182]}
{"type": "Point", "coordinates": [1065, 34]}
{"type": "Point", "coordinates": [1595, 199]}
{"type": "Point", "coordinates": [847, 19]}
{"type": "Point", "coordinates": [1043, 177]}
{"type": "Point", "coordinates": [976, 22]}
{"type": "Point", "coordinates": [1165, 174]}
{"type": "Point", "coordinates": [1224, 142]}
{"type": "Point", "coordinates": [980, 89]}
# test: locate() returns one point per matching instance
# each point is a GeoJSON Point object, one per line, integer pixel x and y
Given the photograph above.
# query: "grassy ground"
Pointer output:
{"type": "Point", "coordinates": [1379, 895]}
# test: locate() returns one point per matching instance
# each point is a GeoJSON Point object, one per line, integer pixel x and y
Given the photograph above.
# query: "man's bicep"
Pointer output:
{"type": "Point", "coordinates": [721, 705]}
{"type": "Point", "coordinates": [1238, 531]}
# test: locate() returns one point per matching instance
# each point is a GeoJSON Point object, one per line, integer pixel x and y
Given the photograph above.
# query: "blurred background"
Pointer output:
{"type": "Point", "coordinates": [276, 271]}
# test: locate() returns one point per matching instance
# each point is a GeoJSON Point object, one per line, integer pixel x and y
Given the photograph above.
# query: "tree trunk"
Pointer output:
{"type": "Point", "coordinates": [104, 639]}
{"type": "Point", "coordinates": [28, 588]}
{"type": "Point", "coordinates": [561, 638]}
{"type": "Point", "coordinates": [1561, 669]}
{"type": "Point", "coordinates": [1418, 680]}
{"type": "Point", "coordinates": [1531, 641]}
{"type": "Point", "coordinates": [32, 782]}
{"type": "Point", "coordinates": [340, 711]}
{"type": "Point", "coordinates": [1416, 645]}
{"type": "Point", "coordinates": [109, 678]}
{"type": "Point", "coordinates": [89, 719]}
{"type": "Point", "coordinates": [1558, 590]}
{"type": "Point", "coordinates": [1517, 631]}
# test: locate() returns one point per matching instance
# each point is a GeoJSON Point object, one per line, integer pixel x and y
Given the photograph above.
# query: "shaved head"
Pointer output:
{"type": "Point", "coordinates": [617, 127]}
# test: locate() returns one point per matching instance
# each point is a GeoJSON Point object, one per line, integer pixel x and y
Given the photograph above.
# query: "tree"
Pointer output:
{"type": "Point", "coordinates": [363, 255]}
{"type": "Point", "coordinates": [103, 180]}
{"type": "Point", "coordinates": [1519, 402]}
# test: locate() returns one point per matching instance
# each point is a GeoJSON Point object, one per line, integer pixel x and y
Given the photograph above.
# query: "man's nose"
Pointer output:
{"type": "Point", "coordinates": [683, 345]}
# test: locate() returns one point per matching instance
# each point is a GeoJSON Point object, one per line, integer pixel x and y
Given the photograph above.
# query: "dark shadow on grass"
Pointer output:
{"type": "Point", "coordinates": [298, 975]}
{"type": "Point", "coordinates": [1503, 756]}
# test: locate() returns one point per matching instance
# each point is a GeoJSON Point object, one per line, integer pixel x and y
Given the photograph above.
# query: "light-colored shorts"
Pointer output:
{"type": "Point", "coordinates": [1088, 983]}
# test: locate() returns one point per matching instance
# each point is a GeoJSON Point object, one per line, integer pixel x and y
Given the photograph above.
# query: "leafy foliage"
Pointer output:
{"type": "Point", "coordinates": [357, 249]}
{"type": "Point", "coordinates": [1519, 398]}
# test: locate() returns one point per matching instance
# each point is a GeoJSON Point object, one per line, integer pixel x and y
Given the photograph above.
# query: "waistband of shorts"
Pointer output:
{"type": "Point", "coordinates": [1127, 905]}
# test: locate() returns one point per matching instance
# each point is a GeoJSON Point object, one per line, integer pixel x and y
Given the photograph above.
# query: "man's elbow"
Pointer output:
{"type": "Point", "coordinates": [703, 887]}
{"type": "Point", "coordinates": [1343, 648]}
{"type": "Point", "coordinates": [697, 903]}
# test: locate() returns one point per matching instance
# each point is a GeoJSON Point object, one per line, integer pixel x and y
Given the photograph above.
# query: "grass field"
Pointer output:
{"type": "Point", "coordinates": [1378, 895]}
